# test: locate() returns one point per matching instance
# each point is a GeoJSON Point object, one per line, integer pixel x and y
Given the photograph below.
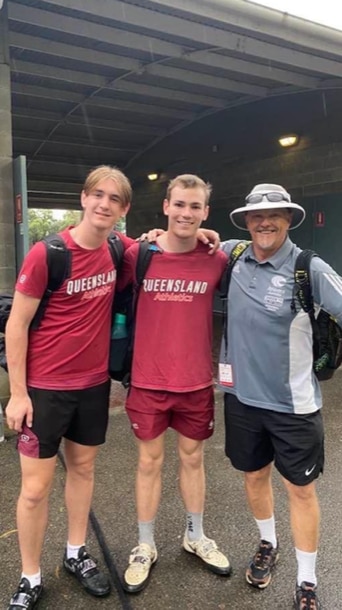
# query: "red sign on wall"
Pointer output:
{"type": "Point", "coordinates": [18, 209]}
{"type": "Point", "coordinates": [319, 219]}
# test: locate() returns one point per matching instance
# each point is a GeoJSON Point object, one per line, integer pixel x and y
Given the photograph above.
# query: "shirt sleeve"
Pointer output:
{"type": "Point", "coordinates": [33, 277]}
{"type": "Point", "coordinates": [228, 245]}
{"type": "Point", "coordinates": [326, 288]}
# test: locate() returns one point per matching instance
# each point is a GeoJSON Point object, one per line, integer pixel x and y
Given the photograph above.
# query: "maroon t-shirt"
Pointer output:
{"type": "Point", "coordinates": [70, 349]}
{"type": "Point", "coordinates": [173, 336]}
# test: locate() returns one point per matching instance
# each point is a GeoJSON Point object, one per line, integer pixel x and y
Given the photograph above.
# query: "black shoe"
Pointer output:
{"type": "Point", "coordinates": [259, 571]}
{"type": "Point", "coordinates": [305, 597]}
{"type": "Point", "coordinates": [86, 571]}
{"type": "Point", "coordinates": [25, 597]}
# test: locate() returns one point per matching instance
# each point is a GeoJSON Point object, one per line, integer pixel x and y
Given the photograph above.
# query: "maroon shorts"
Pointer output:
{"type": "Point", "coordinates": [151, 412]}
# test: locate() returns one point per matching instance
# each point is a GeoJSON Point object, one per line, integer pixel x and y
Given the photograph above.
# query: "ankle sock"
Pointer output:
{"type": "Point", "coordinates": [72, 550]}
{"type": "Point", "coordinates": [146, 533]}
{"type": "Point", "coordinates": [267, 530]}
{"type": "Point", "coordinates": [194, 526]}
{"type": "Point", "coordinates": [306, 567]}
{"type": "Point", "coordinates": [34, 579]}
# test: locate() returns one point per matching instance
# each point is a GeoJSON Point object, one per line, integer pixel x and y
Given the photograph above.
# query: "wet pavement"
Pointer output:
{"type": "Point", "coordinates": [178, 581]}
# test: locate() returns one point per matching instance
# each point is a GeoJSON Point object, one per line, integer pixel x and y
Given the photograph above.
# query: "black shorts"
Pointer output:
{"type": "Point", "coordinates": [78, 415]}
{"type": "Point", "coordinates": [255, 437]}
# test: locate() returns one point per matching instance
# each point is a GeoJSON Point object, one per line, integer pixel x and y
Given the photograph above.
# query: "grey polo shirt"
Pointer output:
{"type": "Point", "coordinates": [269, 346]}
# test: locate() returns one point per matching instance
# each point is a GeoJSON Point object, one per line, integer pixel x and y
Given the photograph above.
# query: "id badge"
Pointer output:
{"type": "Point", "coordinates": [226, 374]}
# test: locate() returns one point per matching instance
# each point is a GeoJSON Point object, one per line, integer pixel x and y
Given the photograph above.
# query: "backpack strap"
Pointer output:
{"type": "Point", "coordinates": [234, 255]}
{"type": "Point", "coordinates": [116, 249]}
{"type": "Point", "coordinates": [58, 260]}
{"type": "Point", "coordinates": [145, 253]}
{"type": "Point", "coordinates": [302, 287]}
{"type": "Point", "coordinates": [302, 291]}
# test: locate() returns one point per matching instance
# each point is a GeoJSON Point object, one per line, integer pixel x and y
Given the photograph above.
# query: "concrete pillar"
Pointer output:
{"type": "Point", "coordinates": [7, 248]}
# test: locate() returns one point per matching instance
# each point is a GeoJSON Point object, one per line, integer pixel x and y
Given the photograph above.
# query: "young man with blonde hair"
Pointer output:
{"type": "Point", "coordinates": [59, 381]}
{"type": "Point", "coordinates": [172, 383]}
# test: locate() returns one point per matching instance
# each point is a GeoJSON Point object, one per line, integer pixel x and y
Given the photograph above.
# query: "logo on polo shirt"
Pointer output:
{"type": "Point", "coordinates": [274, 297]}
{"type": "Point", "coordinates": [278, 281]}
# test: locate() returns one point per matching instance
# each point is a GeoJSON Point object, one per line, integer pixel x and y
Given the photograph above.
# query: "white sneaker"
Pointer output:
{"type": "Point", "coordinates": [140, 562]}
{"type": "Point", "coordinates": [206, 549]}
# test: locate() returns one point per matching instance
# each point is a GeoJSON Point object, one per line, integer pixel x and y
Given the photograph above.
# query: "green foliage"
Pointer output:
{"type": "Point", "coordinates": [43, 222]}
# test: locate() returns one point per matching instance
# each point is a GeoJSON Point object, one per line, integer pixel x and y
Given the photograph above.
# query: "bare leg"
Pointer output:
{"type": "Point", "coordinates": [305, 515]}
{"type": "Point", "coordinates": [258, 485]}
{"type": "Point", "coordinates": [32, 509]}
{"type": "Point", "coordinates": [80, 462]}
{"type": "Point", "coordinates": [148, 479]}
{"type": "Point", "coordinates": [191, 473]}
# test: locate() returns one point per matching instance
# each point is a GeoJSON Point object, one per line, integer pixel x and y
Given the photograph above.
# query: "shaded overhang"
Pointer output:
{"type": "Point", "coordinates": [108, 81]}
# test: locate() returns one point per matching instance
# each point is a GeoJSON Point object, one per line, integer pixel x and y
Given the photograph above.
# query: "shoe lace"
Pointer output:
{"type": "Point", "coordinates": [263, 555]}
{"type": "Point", "coordinates": [308, 599]}
{"type": "Point", "coordinates": [207, 546]}
{"type": "Point", "coordinates": [139, 556]}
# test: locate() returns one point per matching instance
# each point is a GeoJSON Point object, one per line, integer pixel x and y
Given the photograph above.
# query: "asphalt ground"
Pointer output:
{"type": "Point", "coordinates": [179, 581]}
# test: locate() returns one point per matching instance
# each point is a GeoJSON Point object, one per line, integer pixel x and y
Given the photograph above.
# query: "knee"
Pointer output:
{"type": "Point", "coordinates": [34, 493]}
{"type": "Point", "coordinates": [303, 494]}
{"type": "Point", "coordinates": [192, 460]}
{"type": "Point", "coordinates": [150, 464]}
{"type": "Point", "coordinates": [81, 470]}
{"type": "Point", "coordinates": [257, 477]}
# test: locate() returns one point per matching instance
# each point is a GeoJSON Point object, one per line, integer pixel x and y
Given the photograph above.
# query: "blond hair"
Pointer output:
{"type": "Point", "coordinates": [103, 172]}
{"type": "Point", "coordinates": [189, 181]}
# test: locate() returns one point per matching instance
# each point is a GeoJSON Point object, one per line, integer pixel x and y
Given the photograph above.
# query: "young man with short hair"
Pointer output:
{"type": "Point", "coordinates": [172, 379]}
{"type": "Point", "coordinates": [59, 381]}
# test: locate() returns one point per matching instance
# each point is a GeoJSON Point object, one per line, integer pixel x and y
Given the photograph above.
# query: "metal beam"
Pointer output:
{"type": "Point", "coordinates": [77, 27]}
{"type": "Point", "coordinates": [92, 80]}
{"type": "Point", "coordinates": [45, 93]}
{"type": "Point", "coordinates": [140, 108]}
{"type": "Point", "coordinates": [245, 15]}
{"type": "Point", "coordinates": [117, 126]}
{"type": "Point", "coordinates": [71, 141]}
{"type": "Point", "coordinates": [60, 74]}
{"type": "Point", "coordinates": [101, 102]}
{"type": "Point", "coordinates": [83, 54]}
{"type": "Point", "coordinates": [245, 42]}
{"type": "Point", "coordinates": [170, 94]}
{"type": "Point", "coordinates": [249, 68]}
{"type": "Point", "coordinates": [196, 78]}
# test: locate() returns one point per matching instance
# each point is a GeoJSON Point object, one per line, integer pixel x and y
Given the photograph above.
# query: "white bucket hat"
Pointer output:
{"type": "Point", "coordinates": [267, 196]}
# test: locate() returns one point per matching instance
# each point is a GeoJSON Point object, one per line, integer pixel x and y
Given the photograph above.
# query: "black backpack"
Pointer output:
{"type": "Point", "coordinates": [327, 334]}
{"type": "Point", "coordinates": [58, 258]}
{"type": "Point", "coordinates": [125, 304]}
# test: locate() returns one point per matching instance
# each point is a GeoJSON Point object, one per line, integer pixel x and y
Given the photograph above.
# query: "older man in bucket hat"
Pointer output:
{"type": "Point", "coordinates": [272, 397]}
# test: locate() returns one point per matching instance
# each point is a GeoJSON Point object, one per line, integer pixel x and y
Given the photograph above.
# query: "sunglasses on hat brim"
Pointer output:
{"type": "Point", "coordinates": [272, 197]}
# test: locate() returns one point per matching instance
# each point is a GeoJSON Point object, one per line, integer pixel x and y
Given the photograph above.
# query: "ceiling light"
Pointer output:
{"type": "Point", "coordinates": [290, 140]}
{"type": "Point", "coordinates": [153, 176]}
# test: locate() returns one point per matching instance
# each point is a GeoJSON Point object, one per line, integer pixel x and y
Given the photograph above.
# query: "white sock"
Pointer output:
{"type": "Point", "coordinates": [306, 563]}
{"type": "Point", "coordinates": [34, 579]}
{"type": "Point", "coordinates": [72, 550]}
{"type": "Point", "coordinates": [194, 526]}
{"type": "Point", "coordinates": [146, 532]}
{"type": "Point", "coordinates": [267, 530]}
